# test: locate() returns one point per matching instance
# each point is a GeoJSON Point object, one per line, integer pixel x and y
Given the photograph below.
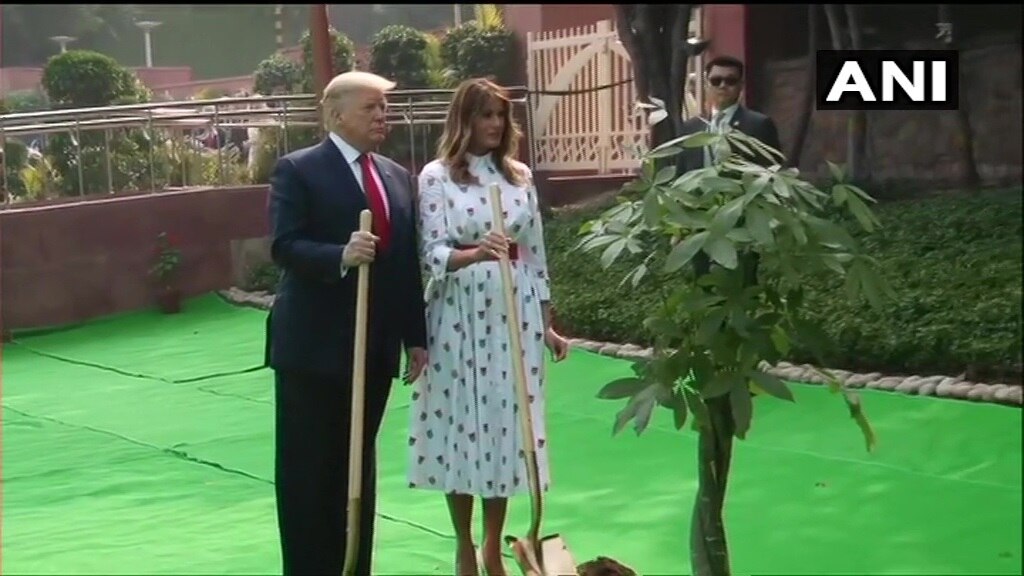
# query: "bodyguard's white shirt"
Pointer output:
{"type": "Point", "coordinates": [717, 126]}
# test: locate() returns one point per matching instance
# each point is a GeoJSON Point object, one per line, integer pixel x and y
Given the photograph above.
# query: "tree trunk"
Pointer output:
{"type": "Point", "coordinates": [678, 32]}
{"type": "Point", "coordinates": [842, 41]}
{"type": "Point", "coordinates": [964, 136]}
{"type": "Point", "coordinates": [965, 144]}
{"type": "Point", "coordinates": [709, 550]}
{"type": "Point", "coordinates": [624, 16]}
{"type": "Point", "coordinates": [804, 122]}
{"type": "Point", "coordinates": [655, 38]}
{"type": "Point", "coordinates": [860, 169]}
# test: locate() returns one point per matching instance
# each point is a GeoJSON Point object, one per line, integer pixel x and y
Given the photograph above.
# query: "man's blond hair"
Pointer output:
{"type": "Point", "coordinates": [342, 86]}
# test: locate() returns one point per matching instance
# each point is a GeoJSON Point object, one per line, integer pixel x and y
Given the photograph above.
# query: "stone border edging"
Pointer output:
{"type": "Point", "coordinates": [940, 386]}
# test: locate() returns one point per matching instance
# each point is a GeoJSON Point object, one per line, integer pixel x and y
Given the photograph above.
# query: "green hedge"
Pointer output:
{"type": "Point", "coordinates": [955, 263]}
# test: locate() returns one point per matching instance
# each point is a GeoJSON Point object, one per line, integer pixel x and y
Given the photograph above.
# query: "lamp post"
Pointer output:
{"type": "Point", "coordinates": [63, 41]}
{"type": "Point", "coordinates": [278, 26]}
{"type": "Point", "coordinates": [147, 29]}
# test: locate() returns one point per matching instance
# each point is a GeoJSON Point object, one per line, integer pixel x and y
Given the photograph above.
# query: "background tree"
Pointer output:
{"type": "Point", "coordinates": [803, 126]}
{"type": "Point", "coordinates": [965, 135]}
{"type": "Point", "coordinates": [844, 24]}
{"type": "Point", "coordinates": [655, 36]}
{"type": "Point", "coordinates": [277, 74]}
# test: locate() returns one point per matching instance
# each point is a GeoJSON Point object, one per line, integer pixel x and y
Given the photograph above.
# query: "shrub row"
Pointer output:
{"type": "Point", "coordinates": [955, 263]}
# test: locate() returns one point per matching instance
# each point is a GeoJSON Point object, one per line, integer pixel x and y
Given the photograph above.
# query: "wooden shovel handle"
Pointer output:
{"type": "Point", "coordinates": [355, 451]}
{"type": "Point", "coordinates": [519, 371]}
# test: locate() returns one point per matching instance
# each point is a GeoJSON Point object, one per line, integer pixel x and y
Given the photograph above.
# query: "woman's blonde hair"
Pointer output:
{"type": "Point", "coordinates": [468, 103]}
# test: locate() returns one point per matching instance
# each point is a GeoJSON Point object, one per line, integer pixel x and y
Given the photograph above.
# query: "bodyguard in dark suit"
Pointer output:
{"type": "Point", "coordinates": [316, 196]}
{"type": "Point", "coordinates": [724, 78]}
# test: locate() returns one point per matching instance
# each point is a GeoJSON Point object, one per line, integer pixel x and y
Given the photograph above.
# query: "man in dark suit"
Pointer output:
{"type": "Point", "coordinates": [317, 194]}
{"type": "Point", "coordinates": [724, 78]}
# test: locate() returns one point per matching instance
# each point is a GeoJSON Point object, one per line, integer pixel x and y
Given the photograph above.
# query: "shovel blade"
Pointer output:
{"type": "Point", "coordinates": [555, 559]}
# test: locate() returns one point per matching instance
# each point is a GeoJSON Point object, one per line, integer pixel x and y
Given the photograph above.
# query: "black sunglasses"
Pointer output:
{"type": "Point", "coordinates": [727, 80]}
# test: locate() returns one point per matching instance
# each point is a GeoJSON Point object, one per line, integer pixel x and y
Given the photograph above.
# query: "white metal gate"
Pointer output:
{"type": "Point", "coordinates": [595, 130]}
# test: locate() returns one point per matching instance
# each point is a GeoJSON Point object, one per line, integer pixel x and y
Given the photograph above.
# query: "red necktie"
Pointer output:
{"type": "Point", "coordinates": [375, 197]}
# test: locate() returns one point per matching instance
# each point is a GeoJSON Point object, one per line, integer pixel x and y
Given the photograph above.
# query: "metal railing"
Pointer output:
{"type": "Point", "coordinates": [190, 143]}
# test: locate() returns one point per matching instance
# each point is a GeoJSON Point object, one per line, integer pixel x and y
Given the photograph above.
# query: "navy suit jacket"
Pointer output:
{"type": "Point", "coordinates": [315, 202]}
{"type": "Point", "coordinates": [750, 122]}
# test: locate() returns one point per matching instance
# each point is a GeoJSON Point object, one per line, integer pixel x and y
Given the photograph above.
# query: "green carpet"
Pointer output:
{"type": "Point", "coordinates": [143, 444]}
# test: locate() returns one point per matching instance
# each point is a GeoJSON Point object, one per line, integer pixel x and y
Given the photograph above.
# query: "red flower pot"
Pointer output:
{"type": "Point", "coordinates": [169, 300]}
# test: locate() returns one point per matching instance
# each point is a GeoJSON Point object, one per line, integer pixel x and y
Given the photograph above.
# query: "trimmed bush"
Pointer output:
{"type": "Point", "coordinates": [80, 79]}
{"type": "Point", "coordinates": [470, 51]}
{"type": "Point", "coordinates": [955, 263]}
{"type": "Point", "coordinates": [129, 162]}
{"type": "Point", "coordinates": [399, 53]}
{"type": "Point", "coordinates": [277, 73]}
{"type": "Point", "coordinates": [343, 57]}
{"type": "Point", "coordinates": [452, 39]}
{"type": "Point", "coordinates": [402, 54]}
{"type": "Point", "coordinates": [488, 53]}
{"type": "Point", "coordinates": [956, 266]}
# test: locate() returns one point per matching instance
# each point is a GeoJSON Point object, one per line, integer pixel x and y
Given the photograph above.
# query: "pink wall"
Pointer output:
{"type": "Point", "coordinates": [27, 78]}
{"type": "Point", "coordinates": [19, 78]}
{"type": "Point", "coordinates": [523, 18]}
{"type": "Point", "coordinates": [189, 89]}
{"type": "Point", "coordinates": [66, 262]}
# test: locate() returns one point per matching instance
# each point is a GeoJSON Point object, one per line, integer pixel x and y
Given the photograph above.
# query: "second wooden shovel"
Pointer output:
{"type": "Point", "coordinates": [536, 556]}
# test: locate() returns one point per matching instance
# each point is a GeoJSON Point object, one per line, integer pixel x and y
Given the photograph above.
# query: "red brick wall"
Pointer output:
{"type": "Point", "coordinates": [63, 263]}
{"type": "Point", "coordinates": [183, 91]}
{"type": "Point", "coordinates": [16, 79]}
{"type": "Point", "coordinates": [28, 78]}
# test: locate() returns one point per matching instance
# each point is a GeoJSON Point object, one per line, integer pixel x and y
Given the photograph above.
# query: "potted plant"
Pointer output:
{"type": "Point", "coordinates": [164, 273]}
{"type": "Point", "coordinates": [732, 242]}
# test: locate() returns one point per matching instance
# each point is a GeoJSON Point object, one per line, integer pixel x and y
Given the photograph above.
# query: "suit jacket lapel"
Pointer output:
{"type": "Point", "coordinates": [737, 119]}
{"type": "Point", "coordinates": [339, 173]}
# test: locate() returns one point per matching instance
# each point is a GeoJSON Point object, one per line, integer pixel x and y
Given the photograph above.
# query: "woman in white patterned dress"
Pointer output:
{"type": "Point", "coordinates": [465, 438]}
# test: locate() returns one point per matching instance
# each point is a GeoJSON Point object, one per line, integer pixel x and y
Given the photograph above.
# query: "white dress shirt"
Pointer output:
{"type": "Point", "coordinates": [351, 156]}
